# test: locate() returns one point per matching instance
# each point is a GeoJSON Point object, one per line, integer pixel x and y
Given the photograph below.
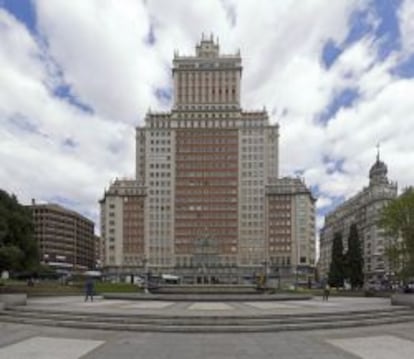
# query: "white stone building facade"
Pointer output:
{"type": "Point", "coordinates": [364, 209]}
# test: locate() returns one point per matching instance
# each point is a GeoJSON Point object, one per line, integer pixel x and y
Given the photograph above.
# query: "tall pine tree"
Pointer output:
{"type": "Point", "coordinates": [336, 269]}
{"type": "Point", "coordinates": [354, 259]}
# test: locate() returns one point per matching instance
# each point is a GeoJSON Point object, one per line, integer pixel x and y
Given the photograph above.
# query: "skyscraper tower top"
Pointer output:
{"type": "Point", "coordinates": [207, 47]}
{"type": "Point", "coordinates": [208, 78]}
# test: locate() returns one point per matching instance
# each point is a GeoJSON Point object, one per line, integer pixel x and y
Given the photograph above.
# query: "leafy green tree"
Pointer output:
{"type": "Point", "coordinates": [11, 257]}
{"type": "Point", "coordinates": [354, 259]}
{"type": "Point", "coordinates": [336, 269]}
{"type": "Point", "coordinates": [18, 248]}
{"type": "Point", "coordinates": [397, 220]}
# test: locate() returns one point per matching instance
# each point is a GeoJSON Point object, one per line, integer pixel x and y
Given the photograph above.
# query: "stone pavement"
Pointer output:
{"type": "Point", "coordinates": [25, 341]}
{"type": "Point", "coordinates": [22, 341]}
{"type": "Point", "coordinates": [316, 305]}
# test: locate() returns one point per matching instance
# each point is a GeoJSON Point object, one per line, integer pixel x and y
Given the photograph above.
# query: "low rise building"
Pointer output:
{"type": "Point", "coordinates": [65, 238]}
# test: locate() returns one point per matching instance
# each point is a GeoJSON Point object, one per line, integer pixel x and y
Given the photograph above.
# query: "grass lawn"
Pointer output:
{"type": "Point", "coordinates": [107, 287]}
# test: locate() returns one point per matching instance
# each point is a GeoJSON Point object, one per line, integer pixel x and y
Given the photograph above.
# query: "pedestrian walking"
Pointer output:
{"type": "Point", "coordinates": [89, 289]}
{"type": "Point", "coordinates": [326, 291]}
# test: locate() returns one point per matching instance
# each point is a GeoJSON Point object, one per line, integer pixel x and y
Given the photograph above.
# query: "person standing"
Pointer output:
{"type": "Point", "coordinates": [89, 289]}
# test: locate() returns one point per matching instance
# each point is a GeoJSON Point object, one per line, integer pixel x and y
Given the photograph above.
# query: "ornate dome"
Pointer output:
{"type": "Point", "coordinates": [379, 168]}
{"type": "Point", "coordinates": [378, 171]}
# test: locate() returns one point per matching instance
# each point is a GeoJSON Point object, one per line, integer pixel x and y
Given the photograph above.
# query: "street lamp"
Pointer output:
{"type": "Point", "coordinates": [265, 273]}
{"type": "Point", "coordinates": [144, 262]}
{"type": "Point", "coordinates": [296, 277]}
{"type": "Point", "coordinates": [277, 271]}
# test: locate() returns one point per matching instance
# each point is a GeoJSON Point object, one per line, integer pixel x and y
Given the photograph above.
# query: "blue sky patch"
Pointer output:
{"type": "Point", "coordinates": [23, 123]}
{"type": "Point", "coordinates": [22, 10]}
{"type": "Point", "coordinates": [330, 53]}
{"type": "Point", "coordinates": [65, 92]}
{"type": "Point", "coordinates": [379, 19]}
{"type": "Point", "coordinates": [388, 29]}
{"type": "Point", "coordinates": [333, 165]}
{"type": "Point", "coordinates": [69, 143]}
{"type": "Point", "coordinates": [404, 69]}
{"type": "Point", "coordinates": [163, 95]}
{"type": "Point", "coordinates": [336, 201]}
{"type": "Point", "coordinates": [361, 23]}
{"type": "Point", "coordinates": [150, 39]}
{"type": "Point", "coordinates": [345, 98]}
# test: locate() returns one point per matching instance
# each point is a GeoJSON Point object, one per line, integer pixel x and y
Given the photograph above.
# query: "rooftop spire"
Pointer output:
{"type": "Point", "coordinates": [378, 151]}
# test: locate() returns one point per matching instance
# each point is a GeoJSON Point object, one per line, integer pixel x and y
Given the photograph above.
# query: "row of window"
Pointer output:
{"type": "Point", "coordinates": [243, 124]}
{"type": "Point", "coordinates": [160, 142]}
{"type": "Point", "coordinates": [189, 75]}
{"type": "Point", "coordinates": [279, 248]}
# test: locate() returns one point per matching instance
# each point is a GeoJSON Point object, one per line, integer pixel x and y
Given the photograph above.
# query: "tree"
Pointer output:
{"type": "Point", "coordinates": [354, 259]}
{"type": "Point", "coordinates": [18, 248]}
{"type": "Point", "coordinates": [336, 268]}
{"type": "Point", "coordinates": [397, 220]}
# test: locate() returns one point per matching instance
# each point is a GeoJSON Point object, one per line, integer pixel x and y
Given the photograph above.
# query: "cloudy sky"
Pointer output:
{"type": "Point", "coordinates": [77, 76]}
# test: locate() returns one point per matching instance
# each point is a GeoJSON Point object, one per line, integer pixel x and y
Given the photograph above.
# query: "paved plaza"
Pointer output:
{"type": "Point", "coordinates": [24, 341]}
{"type": "Point", "coordinates": [251, 308]}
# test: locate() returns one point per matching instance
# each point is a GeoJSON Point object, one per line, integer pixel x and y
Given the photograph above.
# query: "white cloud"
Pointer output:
{"type": "Point", "coordinates": [323, 202]}
{"type": "Point", "coordinates": [406, 16]}
{"type": "Point", "coordinates": [35, 163]}
{"type": "Point", "coordinates": [100, 47]}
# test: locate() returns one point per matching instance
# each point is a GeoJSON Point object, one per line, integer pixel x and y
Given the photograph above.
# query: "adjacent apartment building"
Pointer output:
{"type": "Point", "coordinates": [363, 209]}
{"type": "Point", "coordinates": [65, 238]}
{"type": "Point", "coordinates": [290, 212]}
{"type": "Point", "coordinates": [202, 171]}
{"type": "Point", "coordinates": [122, 226]}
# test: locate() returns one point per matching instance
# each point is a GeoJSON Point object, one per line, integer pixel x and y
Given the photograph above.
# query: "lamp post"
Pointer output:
{"type": "Point", "coordinates": [265, 273]}
{"type": "Point", "coordinates": [277, 271]}
{"type": "Point", "coordinates": [144, 262]}
{"type": "Point", "coordinates": [296, 279]}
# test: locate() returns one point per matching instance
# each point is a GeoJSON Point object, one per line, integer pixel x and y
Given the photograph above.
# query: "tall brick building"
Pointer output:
{"type": "Point", "coordinates": [203, 169]}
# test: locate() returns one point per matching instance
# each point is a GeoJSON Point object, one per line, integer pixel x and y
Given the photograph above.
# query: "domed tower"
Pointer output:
{"type": "Point", "coordinates": [378, 171]}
